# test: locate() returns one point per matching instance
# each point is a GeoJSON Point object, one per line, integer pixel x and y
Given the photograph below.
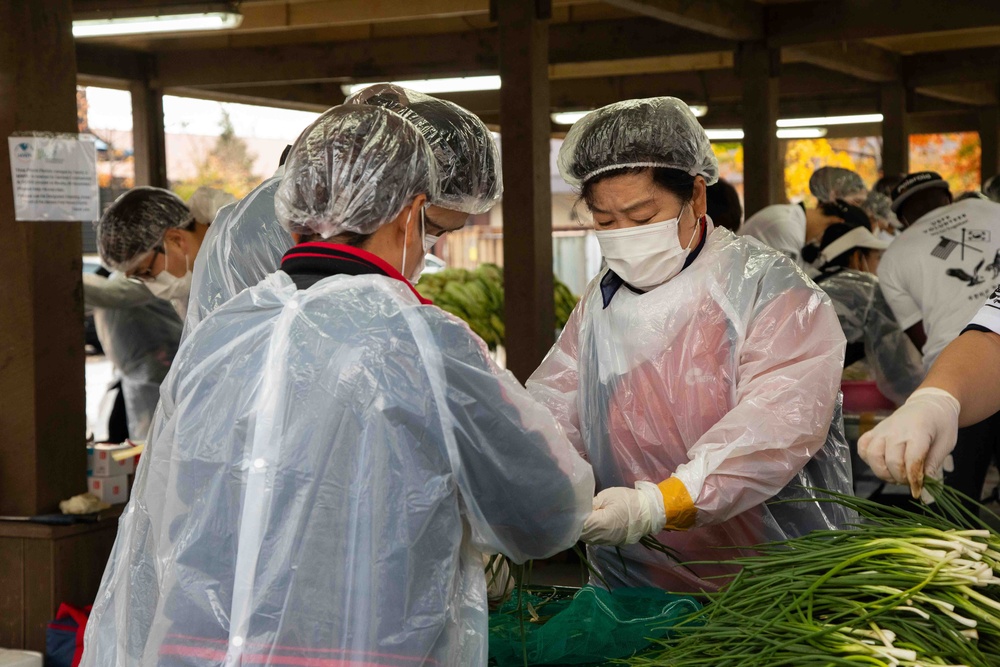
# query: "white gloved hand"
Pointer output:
{"type": "Point", "coordinates": [624, 516]}
{"type": "Point", "coordinates": [915, 441]}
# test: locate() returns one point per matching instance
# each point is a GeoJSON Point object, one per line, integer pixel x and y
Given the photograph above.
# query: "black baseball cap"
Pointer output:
{"type": "Point", "coordinates": [921, 180]}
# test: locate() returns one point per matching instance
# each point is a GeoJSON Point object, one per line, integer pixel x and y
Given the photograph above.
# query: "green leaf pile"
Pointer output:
{"type": "Point", "coordinates": [477, 297]}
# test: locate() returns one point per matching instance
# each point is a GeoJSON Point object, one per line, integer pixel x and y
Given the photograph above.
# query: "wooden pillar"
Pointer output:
{"type": "Point", "coordinates": [42, 411]}
{"type": "Point", "coordinates": [763, 169]}
{"type": "Point", "coordinates": [989, 137]}
{"type": "Point", "coordinates": [895, 134]}
{"type": "Point", "coordinates": [527, 201]}
{"type": "Point", "coordinates": [148, 137]}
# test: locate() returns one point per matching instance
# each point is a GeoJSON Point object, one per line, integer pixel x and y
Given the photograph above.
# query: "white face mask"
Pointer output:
{"type": "Point", "coordinates": [429, 241]}
{"type": "Point", "coordinates": [647, 256]}
{"type": "Point", "coordinates": [170, 288]}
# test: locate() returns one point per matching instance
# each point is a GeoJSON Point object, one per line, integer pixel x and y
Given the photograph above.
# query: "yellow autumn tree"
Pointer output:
{"type": "Point", "coordinates": [804, 156]}
{"type": "Point", "coordinates": [956, 156]}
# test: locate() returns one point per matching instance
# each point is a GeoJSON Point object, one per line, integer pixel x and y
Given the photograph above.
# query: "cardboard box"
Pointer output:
{"type": "Point", "coordinates": [100, 463]}
{"type": "Point", "coordinates": [112, 490]}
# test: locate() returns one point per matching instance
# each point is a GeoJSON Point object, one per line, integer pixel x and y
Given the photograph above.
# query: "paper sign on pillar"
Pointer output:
{"type": "Point", "coordinates": [54, 177]}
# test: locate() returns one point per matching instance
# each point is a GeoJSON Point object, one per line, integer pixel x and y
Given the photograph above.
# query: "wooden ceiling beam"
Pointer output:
{"type": "Point", "coordinates": [455, 54]}
{"type": "Point", "coordinates": [726, 19]}
{"type": "Point", "coordinates": [857, 59]}
{"type": "Point", "coordinates": [804, 89]}
{"type": "Point", "coordinates": [948, 68]}
{"type": "Point", "coordinates": [796, 24]}
{"type": "Point", "coordinates": [979, 94]}
{"type": "Point", "coordinates": [110, 63]}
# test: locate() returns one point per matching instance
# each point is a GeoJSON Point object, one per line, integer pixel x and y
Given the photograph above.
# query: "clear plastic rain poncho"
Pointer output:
{"type": "Point", "coordinates": [866, 318]}
{"type": "Point", "coordinates": [140, 335]}
{"type": "Point", "coordinates": [135, 224]}
{"type": "Point", "coordinates": [828, 184]}
{"type": "Point", "coordinates": [654, 132]}
{"type": "Point", "coordinates": [243, 245]}
{"type": "Point", "coordinates": [467, 158]}
{"type": "Point", "coordinates": [327, 466]}
{"type": "Point", "coordinates": [726, 377]}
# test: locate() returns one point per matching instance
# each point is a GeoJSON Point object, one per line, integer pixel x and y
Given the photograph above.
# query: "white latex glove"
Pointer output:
{"type": "Point", "coordinates": [915, 441]}
{"type": "Point", "coordinates": [624, 516]}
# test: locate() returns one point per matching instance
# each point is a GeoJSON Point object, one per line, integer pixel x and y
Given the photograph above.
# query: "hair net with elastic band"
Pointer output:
{"type": "Point", "coordinates": [135, 224]}
{"type": "Point", "coordinates": [353, 170]}
{"type": "Point", "coordinates": [878, 206]}
{"type": "Point", "coordinates": [829, 184]}
{"type": "Point", "coordinates": [206, 202]}
{"type": "Point", "coordinates": [467, 158]}
{"type": "Point", "coordinates": [654, 132]}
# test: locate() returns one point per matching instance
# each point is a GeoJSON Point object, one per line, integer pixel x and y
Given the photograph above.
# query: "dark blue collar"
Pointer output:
{"type": "Point", "coordinates": [612, 282]}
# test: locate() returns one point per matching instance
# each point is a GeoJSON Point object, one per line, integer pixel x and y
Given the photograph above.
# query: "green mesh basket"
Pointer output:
{"type": "Point", "coordinates": [589, 627]}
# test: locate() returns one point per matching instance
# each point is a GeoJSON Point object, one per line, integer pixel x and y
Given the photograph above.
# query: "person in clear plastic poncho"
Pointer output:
{"type": "Point", "coordinates": [247, 242]}
{"type": "Point", "coordinates": [243, 245]}
{"type": "Point", "coordinates": [848, 261]}
{"type": "Point", "coordinates": [700, 372]}
{"type": "Point", "coordinates": [331, 455]}
{"type": "Point", "coordinates": [150, 235]}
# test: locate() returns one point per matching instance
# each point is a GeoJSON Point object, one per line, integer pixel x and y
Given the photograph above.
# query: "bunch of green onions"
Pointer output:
{"type": "Point", "coordinates": [902, 588]}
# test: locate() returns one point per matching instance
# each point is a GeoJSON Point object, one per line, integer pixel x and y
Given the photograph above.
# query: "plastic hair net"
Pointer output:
{"type": "Point", "coordinates": [829, 184]}
{"type": "Point", "coordinates": [353, 170]}
{"type": "Point", "coordinates": [655, 132]}
{"type": "Point", "coordinates": [206, 202]}
{"type": "Point", "coordinates": [726, 377]}
{"type": "Point", "coordinates": [992, 189]}
{"type": "Point", "coordinates": [467, 158]}
{"type": "Point", "coordinates": [243, 245]}
{"type": "Point", "coordinates": [866, 318]}
{"type": "Point", "coordinates": [879, 206]}
{"type": "Point", "coordinates": [135, 224]}
{"type": "Point", "coordinates": [325, 470]}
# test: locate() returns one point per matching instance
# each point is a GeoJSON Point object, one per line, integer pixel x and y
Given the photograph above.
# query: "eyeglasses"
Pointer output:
{"type": "Point", "coordinates": [145, 275]}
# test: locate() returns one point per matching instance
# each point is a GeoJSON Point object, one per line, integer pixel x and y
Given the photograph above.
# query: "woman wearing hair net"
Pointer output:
{"type": "Point", "coordinates": [331, 455]}
{"type": "Point", "coordinates": [700, 372]}
{"type": "Point", "coordinates": [248, 244]}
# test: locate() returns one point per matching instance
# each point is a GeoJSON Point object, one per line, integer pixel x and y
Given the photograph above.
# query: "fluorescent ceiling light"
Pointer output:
{"type": "Point", "coordinates": [724, 135]}
{"type": "Point", "coordinates": [830, 120]}
{"type": "Point", "coordinates": [567, 117]}
{"type": "Point", "coordinates": [460, 84]}
{"type": "Point", "coordinates": [152, 24]}
{"type": "Point", "coordinates": [736, 134]}
{"type": "Point", "coordinates": [570, 117]}
{"type": "Point", "coordinates": [802, 133]}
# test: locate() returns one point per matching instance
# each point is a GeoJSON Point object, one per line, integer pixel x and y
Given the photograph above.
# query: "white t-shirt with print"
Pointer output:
{"type": "Point", "coordinates": [782, 227]}
{"type": "Point", "coordinates": [988, 316]}
{"type": "Point", "coordinates": [941, 269]}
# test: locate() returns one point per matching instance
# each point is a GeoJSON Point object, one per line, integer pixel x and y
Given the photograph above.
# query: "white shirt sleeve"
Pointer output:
{"type": "Point", "coordinates": [781, 227]}
{"type": "Point", "coordinates": [988, 316]}
{"type": "Point", "coordinates": [906, 310]}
